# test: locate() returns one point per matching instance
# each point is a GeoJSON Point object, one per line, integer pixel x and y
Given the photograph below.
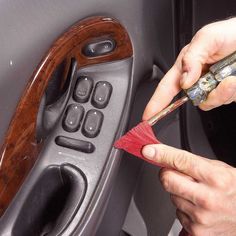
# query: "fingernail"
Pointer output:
{"type": "Point", "coordinates": [149, 152]}
{"type": "Point", "coordinates": [184, 78]}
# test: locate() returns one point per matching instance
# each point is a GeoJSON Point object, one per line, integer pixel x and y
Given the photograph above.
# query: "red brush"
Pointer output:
{"type": "Point", "coordinates": [142, 135]}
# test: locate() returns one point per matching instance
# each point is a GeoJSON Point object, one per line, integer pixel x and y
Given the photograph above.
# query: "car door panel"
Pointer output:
{"type": "Point", "coordinates": [101, 191]}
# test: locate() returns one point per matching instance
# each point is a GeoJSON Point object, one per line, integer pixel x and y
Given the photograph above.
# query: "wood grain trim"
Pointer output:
{"type": "Point", "coordinates": [20, 149]}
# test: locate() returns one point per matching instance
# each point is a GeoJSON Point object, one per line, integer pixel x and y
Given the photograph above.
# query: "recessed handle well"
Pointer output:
{"type": "Point", "coordinates": [52, 202]}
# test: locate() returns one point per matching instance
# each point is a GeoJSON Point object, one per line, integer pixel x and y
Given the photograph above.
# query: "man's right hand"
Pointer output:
{"type": "Point", "coordinates": [210, 44]}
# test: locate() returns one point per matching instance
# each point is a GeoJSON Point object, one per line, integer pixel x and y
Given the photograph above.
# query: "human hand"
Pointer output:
{"type": "Point", "coordinates": [210, 44]}
{"type": "Point", "coordinates": [203, 190]}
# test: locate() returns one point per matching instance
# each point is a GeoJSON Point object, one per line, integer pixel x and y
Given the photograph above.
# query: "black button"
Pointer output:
{"type": "Point", "coordinates": [92, 123]}
{"type": "Point", "coordinates": [102, 94]}
{"type": "Point", "coordinates": [73, 117]}
{"type": "Point", "coordinates": [76, 144]}
{"type": "Point", "coordinates": [99, 48]}
{"type": "Point", "coordinates": [83, 89]}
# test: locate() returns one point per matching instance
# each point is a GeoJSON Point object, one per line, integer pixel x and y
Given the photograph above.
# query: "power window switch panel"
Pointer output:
{"type": "Point", "coordinates": [92, 123]}
{"type": "Point", "coordinates": [73, 117]}
{"type": "Point", "coordinates": [83, 89]}
{"type": "Point", "coordinates": [75, 144]}
{"type": "Point", "coordinates": [101, 94]}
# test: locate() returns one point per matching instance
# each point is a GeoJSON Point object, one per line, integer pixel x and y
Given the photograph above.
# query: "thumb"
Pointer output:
{"type": "Point", "coordinates": [203, 49]}
{"type": "Point", "coordinates": [182, 161]}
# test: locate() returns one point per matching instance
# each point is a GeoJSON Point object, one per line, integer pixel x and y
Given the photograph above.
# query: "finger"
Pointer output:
{"type": "Point", "coordinates": [220, 164]}
{"type": "Point", "coordinates": [184, 220]}
{"type": "Point", "coordinates": [189, 226]}
{"type": "Point", "coordinates": [181, 185]}
{"type": "Point", "coordinates": [182, 161]}
{"type": "Point", "coordinates": [164, 93]}
{"type": "Point", "coordinates": [196, 214]}
{"type": "Point", "coordinates": [183, 232]}
{"type": "Point", "coordinates": [166, 89]}
{"type": "Point", "coordinates": [183, 205]}
{"type": "Point", "coordinates": [224, 93]}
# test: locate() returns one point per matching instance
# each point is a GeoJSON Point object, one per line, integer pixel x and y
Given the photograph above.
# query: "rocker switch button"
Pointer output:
{"type": "Point", "coordinates": [73, 117]}
{"type": "Point", "coordinates": [99, 48]}
{"type": "Point", "coordinates": [92, 124]}
{"type": "Point", "coordinates": [102, 94]}
{"type": "Point", "coordinates": [76, 144]}
{"type": "Point", "coordinates": [83, 89]}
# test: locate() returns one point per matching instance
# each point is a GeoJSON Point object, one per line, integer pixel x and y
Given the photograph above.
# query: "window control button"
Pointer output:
{"type": "Point", "coordinates": [73, 117]}
{"type": "Point", "coordinates": [76, 144]}
{"type": "Point", "coordinates": [92, 123]}
{"type": "Point", "coordinates": [99, 48]}
{"type": "Point", "coordinates": [102, 94]}
{"type": "Point", "coordinates": [83, 89]}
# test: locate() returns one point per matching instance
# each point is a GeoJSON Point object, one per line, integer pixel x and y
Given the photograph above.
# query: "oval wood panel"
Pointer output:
{"type": "Point", "coordinates": [20, 149]}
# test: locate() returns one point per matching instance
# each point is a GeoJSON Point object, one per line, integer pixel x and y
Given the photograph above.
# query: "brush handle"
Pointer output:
{"type": "Point", "coordinates": [153, 120]}
{"type": "Point", "coordinates": [201, 89]}
{"type": "Point", "coordinates": [217, 72]}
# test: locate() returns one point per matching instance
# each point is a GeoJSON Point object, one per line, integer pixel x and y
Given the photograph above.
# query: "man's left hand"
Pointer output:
{"type": "Point", "coordinates": [203, 190]}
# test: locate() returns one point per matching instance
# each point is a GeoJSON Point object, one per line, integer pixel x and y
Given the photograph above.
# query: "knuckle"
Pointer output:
{"type": "Point", "coordinates": [183, 52]}
{"type": "Point", "coordinates": [203, 202]}
{"type": "Point", "coordinates": [196, 217]}
{"type": "Point", "coordinates": [201, 218]}
{"type": "Point", "coordinates": [162, 156]}
{"type": "Point", "coordinates": [230, 81]}
{"type": "Point", "coordinates": [207, 201]}
{"type": "Point", "coordinates": [187, 58]}
{"type": "Point", "coordinates": [206, 30]}
{"type": "Point", "coordinates": [165, 180]}
{"type": "Point", "coordinates": [184, 49]}
{"type": "Point", "coordinates": [206, 105]}
{"type": "Point", "coordinates": [226, 91]}
{"type": "Point", "coordinates": [202, 32]}
{"type": "Point", "coordinates": [196, 230]}
{"type": "Point", "coordinates": [181, 161]}
{"type": "Point", "coordinates": [225, 180]}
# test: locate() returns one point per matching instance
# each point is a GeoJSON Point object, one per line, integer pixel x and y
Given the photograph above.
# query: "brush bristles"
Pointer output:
{"type": "Point", "coordinates": [136, 139]}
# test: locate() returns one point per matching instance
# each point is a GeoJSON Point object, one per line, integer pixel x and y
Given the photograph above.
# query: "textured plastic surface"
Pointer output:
{"type": "Point", "coordinates": [95, 165]}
